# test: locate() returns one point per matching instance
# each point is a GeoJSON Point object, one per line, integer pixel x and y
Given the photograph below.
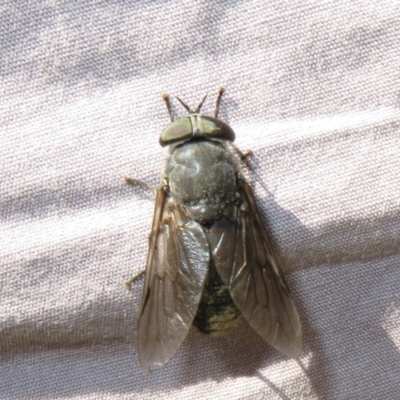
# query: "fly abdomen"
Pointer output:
{"type": "Point", "coordinates": [217, 312]}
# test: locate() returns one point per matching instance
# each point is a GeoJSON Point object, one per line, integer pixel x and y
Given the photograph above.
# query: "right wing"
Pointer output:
{"type": "Point", "coordinates": [248, 264]}
{"type": "Point", "coordinates": [176, 269]}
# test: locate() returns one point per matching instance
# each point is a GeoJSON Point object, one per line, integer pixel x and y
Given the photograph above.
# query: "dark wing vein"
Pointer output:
{"type": "Point", "coordinates": [176, 268]}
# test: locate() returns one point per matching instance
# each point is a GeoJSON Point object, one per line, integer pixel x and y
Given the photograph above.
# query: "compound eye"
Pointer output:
{"type": "Point", "coordinates": [196, 126]}
{"type": "Point", "coordinates": [178, 131]}
{"type": "Point", "coordinates": [214, 128]}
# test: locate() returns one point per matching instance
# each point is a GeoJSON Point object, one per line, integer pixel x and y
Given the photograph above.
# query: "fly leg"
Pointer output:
{"type": "Point", "coordinates": [143, 185]}
{"type": "Point", "coordinates": [165, 97]}
{"type": "Point", "coordinates": [220, 93]}
{"type": "Point", "coordinates": [128, 285]}
{"type": "Point", "coordinates": [244, 155]}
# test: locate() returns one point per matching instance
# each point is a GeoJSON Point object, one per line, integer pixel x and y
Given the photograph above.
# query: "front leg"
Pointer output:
{"type": "Point", "coordinates": [137, 182]}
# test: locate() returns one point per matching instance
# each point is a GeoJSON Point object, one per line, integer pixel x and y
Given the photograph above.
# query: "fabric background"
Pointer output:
{"type": "Point", "coordinates": [312, 89]}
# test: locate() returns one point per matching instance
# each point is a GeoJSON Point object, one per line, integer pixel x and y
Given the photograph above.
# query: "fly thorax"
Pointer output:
{"type": "Point", "coordinates": [202, 177]}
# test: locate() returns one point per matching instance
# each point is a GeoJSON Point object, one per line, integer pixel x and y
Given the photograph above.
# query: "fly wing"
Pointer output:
{"type": "Point", "coordinates": [176, 268]}
{"type": "Point", "coordinates": [249, 266]}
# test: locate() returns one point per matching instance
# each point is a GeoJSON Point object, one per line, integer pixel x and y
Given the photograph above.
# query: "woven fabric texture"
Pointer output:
{"type": "Point", "coordinates": [312, 88]}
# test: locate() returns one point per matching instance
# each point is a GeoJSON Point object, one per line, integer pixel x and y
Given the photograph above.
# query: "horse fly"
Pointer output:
{"type": "Point", "coordinates": [210, 257]}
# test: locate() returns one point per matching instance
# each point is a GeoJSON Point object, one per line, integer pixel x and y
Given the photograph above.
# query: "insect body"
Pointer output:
{"type": "Point", "coordinates": [210, 258]}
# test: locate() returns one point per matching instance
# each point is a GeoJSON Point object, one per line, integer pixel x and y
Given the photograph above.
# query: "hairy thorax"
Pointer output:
{"type": "Point", "coordinates": [203, 179]}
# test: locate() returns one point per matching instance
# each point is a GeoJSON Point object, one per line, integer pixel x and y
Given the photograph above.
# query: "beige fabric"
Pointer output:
{"type": "Point", "coordinates": [312, 89]}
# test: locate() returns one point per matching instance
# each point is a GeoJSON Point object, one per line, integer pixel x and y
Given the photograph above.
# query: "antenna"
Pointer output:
{"type": "Point", "coordinates": [198, 108]}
